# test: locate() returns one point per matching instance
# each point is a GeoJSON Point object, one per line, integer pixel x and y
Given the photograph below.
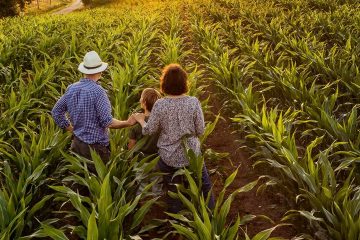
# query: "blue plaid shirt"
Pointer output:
{"type": "Point", "coordinates": [89, 110]}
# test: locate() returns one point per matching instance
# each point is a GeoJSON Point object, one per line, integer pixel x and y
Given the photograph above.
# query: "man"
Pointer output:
{"type": "Point", "coordinates": [89, 111]}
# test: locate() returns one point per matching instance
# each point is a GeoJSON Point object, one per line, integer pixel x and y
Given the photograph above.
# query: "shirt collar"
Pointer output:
{"type": "Point", "coordinates": [89, 80]}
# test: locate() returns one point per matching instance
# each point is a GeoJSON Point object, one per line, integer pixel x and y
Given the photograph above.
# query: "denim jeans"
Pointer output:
{"type": "Point", "coordinates": [175, 205]}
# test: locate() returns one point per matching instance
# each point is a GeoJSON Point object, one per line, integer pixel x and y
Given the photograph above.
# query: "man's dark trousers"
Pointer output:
{"type": "Point", "coordinates": [83, 149]}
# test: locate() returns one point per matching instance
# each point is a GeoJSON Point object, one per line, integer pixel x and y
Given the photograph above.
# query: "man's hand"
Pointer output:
{"type": "Point", "coordinates": [69, 128]}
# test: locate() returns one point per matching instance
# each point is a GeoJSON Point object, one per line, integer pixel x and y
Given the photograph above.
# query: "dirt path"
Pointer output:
{"type": "Point", "coordinates": [74, 6]}
{"type": "Point", "coordinates": [224, 138]}
{"type": "Point", "coordinates": [270, 202]}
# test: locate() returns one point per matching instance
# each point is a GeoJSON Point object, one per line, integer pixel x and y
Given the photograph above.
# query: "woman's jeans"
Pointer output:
{"type": "Point", "coordinates": [175, 205]}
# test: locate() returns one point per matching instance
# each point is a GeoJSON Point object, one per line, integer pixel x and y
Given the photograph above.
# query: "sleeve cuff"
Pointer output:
{"type": "Point", "coordinates": [64, 125]}
{"type": "Point", "coordinates": [108, 121]}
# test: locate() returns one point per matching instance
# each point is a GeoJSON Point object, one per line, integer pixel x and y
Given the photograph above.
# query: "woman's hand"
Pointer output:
{"type": "Point", "coordinates": [140, 118]}
{"type": "Point", "coordinates": [131, 120]}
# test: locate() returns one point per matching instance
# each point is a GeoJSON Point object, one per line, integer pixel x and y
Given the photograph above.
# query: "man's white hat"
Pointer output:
{"type": "Point", "coordinates": [92, 64]}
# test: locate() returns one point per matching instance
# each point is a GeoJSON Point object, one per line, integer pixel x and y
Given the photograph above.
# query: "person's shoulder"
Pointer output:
{"type": "Point", "coordinates": [193, 99]}
{"type": "Point", "coordinates": [76, 85]}
{"type": "Point", "coordinates": [160, 102]}
{"type": "Point", "coordinates": [72, 86]}
{"type": "Point", "coordinates": [97, 89]}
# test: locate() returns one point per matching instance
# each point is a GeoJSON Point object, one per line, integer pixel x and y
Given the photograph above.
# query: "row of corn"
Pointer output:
{"type": "Point", "coordinates": [291, 70]}
{"type": "Point", "coordinates": [47, 192]}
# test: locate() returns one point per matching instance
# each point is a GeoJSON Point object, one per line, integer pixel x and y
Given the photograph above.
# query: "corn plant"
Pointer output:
{"type": "Point", "coordinates": [112, 201]}
{"type": "Point", "coordinates": [299, 100]}
{"type": "Point", "coordinates": [288, 69]}
{"type": "Point", "coordinates": [197, 221]}
{"type": "Point", "coordinates": [25, 162]}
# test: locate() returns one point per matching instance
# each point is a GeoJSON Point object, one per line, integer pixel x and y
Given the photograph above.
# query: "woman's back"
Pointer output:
{"type": "Point", "coordinates": [176, 118]}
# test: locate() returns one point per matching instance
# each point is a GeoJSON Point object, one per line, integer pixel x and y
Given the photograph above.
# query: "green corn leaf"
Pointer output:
{"type": "Point", "coordinates": [139, 215]}
{"type": "Point", "coordinates": [104, 205]}
{"type": "Point", "coordinates": [193, 187]}
{"type": "Point", "coordinates": [52, 232]}
{"type": "Point", "coordinates": [99, 165]}
{"type": "Point", "coordinates": [247, 187]}
{"type": "Point", "coordinates": [185, 231]}
{"type": "Point", "coordinates": [39, 205]}
{"type": "Point", "coordinates": [232, 232]}
{"type": "Point", "coordinates": [92, 229]}
{"type": "Point", "coordinates": [264, 235]}
{"type": "Point", "coordinates": [230, 179]}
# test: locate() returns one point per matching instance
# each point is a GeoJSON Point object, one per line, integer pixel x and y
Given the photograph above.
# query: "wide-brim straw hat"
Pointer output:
{"type": "Point", "coordinates": [92, 64]}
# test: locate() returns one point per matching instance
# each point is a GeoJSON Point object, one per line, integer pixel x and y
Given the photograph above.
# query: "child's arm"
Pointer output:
{"type": "Point", "coordinates": [134, 134]}
{"type": "Point", "coordinates": [131, 144]}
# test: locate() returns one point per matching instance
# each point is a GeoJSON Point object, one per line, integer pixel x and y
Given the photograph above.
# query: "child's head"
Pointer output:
{"type": "Point", "coordinates": [148, 98]}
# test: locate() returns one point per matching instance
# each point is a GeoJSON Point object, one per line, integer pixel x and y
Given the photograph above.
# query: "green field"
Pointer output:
{"type": "Point", "coordinates": [286, 70]}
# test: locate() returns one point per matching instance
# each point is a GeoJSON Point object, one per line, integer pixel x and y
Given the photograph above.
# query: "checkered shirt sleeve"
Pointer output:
{"type": "Point", "coordinates": [103, 109]}
{"type": "Point", "coordinates": [59, 111]}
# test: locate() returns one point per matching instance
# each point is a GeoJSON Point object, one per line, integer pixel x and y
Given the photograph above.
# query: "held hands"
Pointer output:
{"type": "Point", "coordinates": [131, 120]}
{"type": "Point", "coordinates": [140, 118]}
{"type": "Point", "coordinates": [117, 124]}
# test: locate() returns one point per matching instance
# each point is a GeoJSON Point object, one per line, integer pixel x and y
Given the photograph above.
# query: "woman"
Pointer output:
{"type": "Point", "coordinates": [175, 117]}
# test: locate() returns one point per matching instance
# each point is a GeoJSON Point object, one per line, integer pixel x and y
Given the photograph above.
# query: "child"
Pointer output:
{"type": "Point", "coordinates": [148, 98]}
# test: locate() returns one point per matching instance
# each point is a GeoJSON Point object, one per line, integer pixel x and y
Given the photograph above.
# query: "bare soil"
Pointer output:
{"type": "Point", "coordinates": [270, 202]}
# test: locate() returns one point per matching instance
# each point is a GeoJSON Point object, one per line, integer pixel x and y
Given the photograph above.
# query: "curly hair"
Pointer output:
{"type": "Point", "coordinates": [174, 80]}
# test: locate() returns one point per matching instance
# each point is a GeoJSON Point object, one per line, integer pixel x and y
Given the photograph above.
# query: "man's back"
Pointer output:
{"type": "Point", "coordinates": [90, 111]}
